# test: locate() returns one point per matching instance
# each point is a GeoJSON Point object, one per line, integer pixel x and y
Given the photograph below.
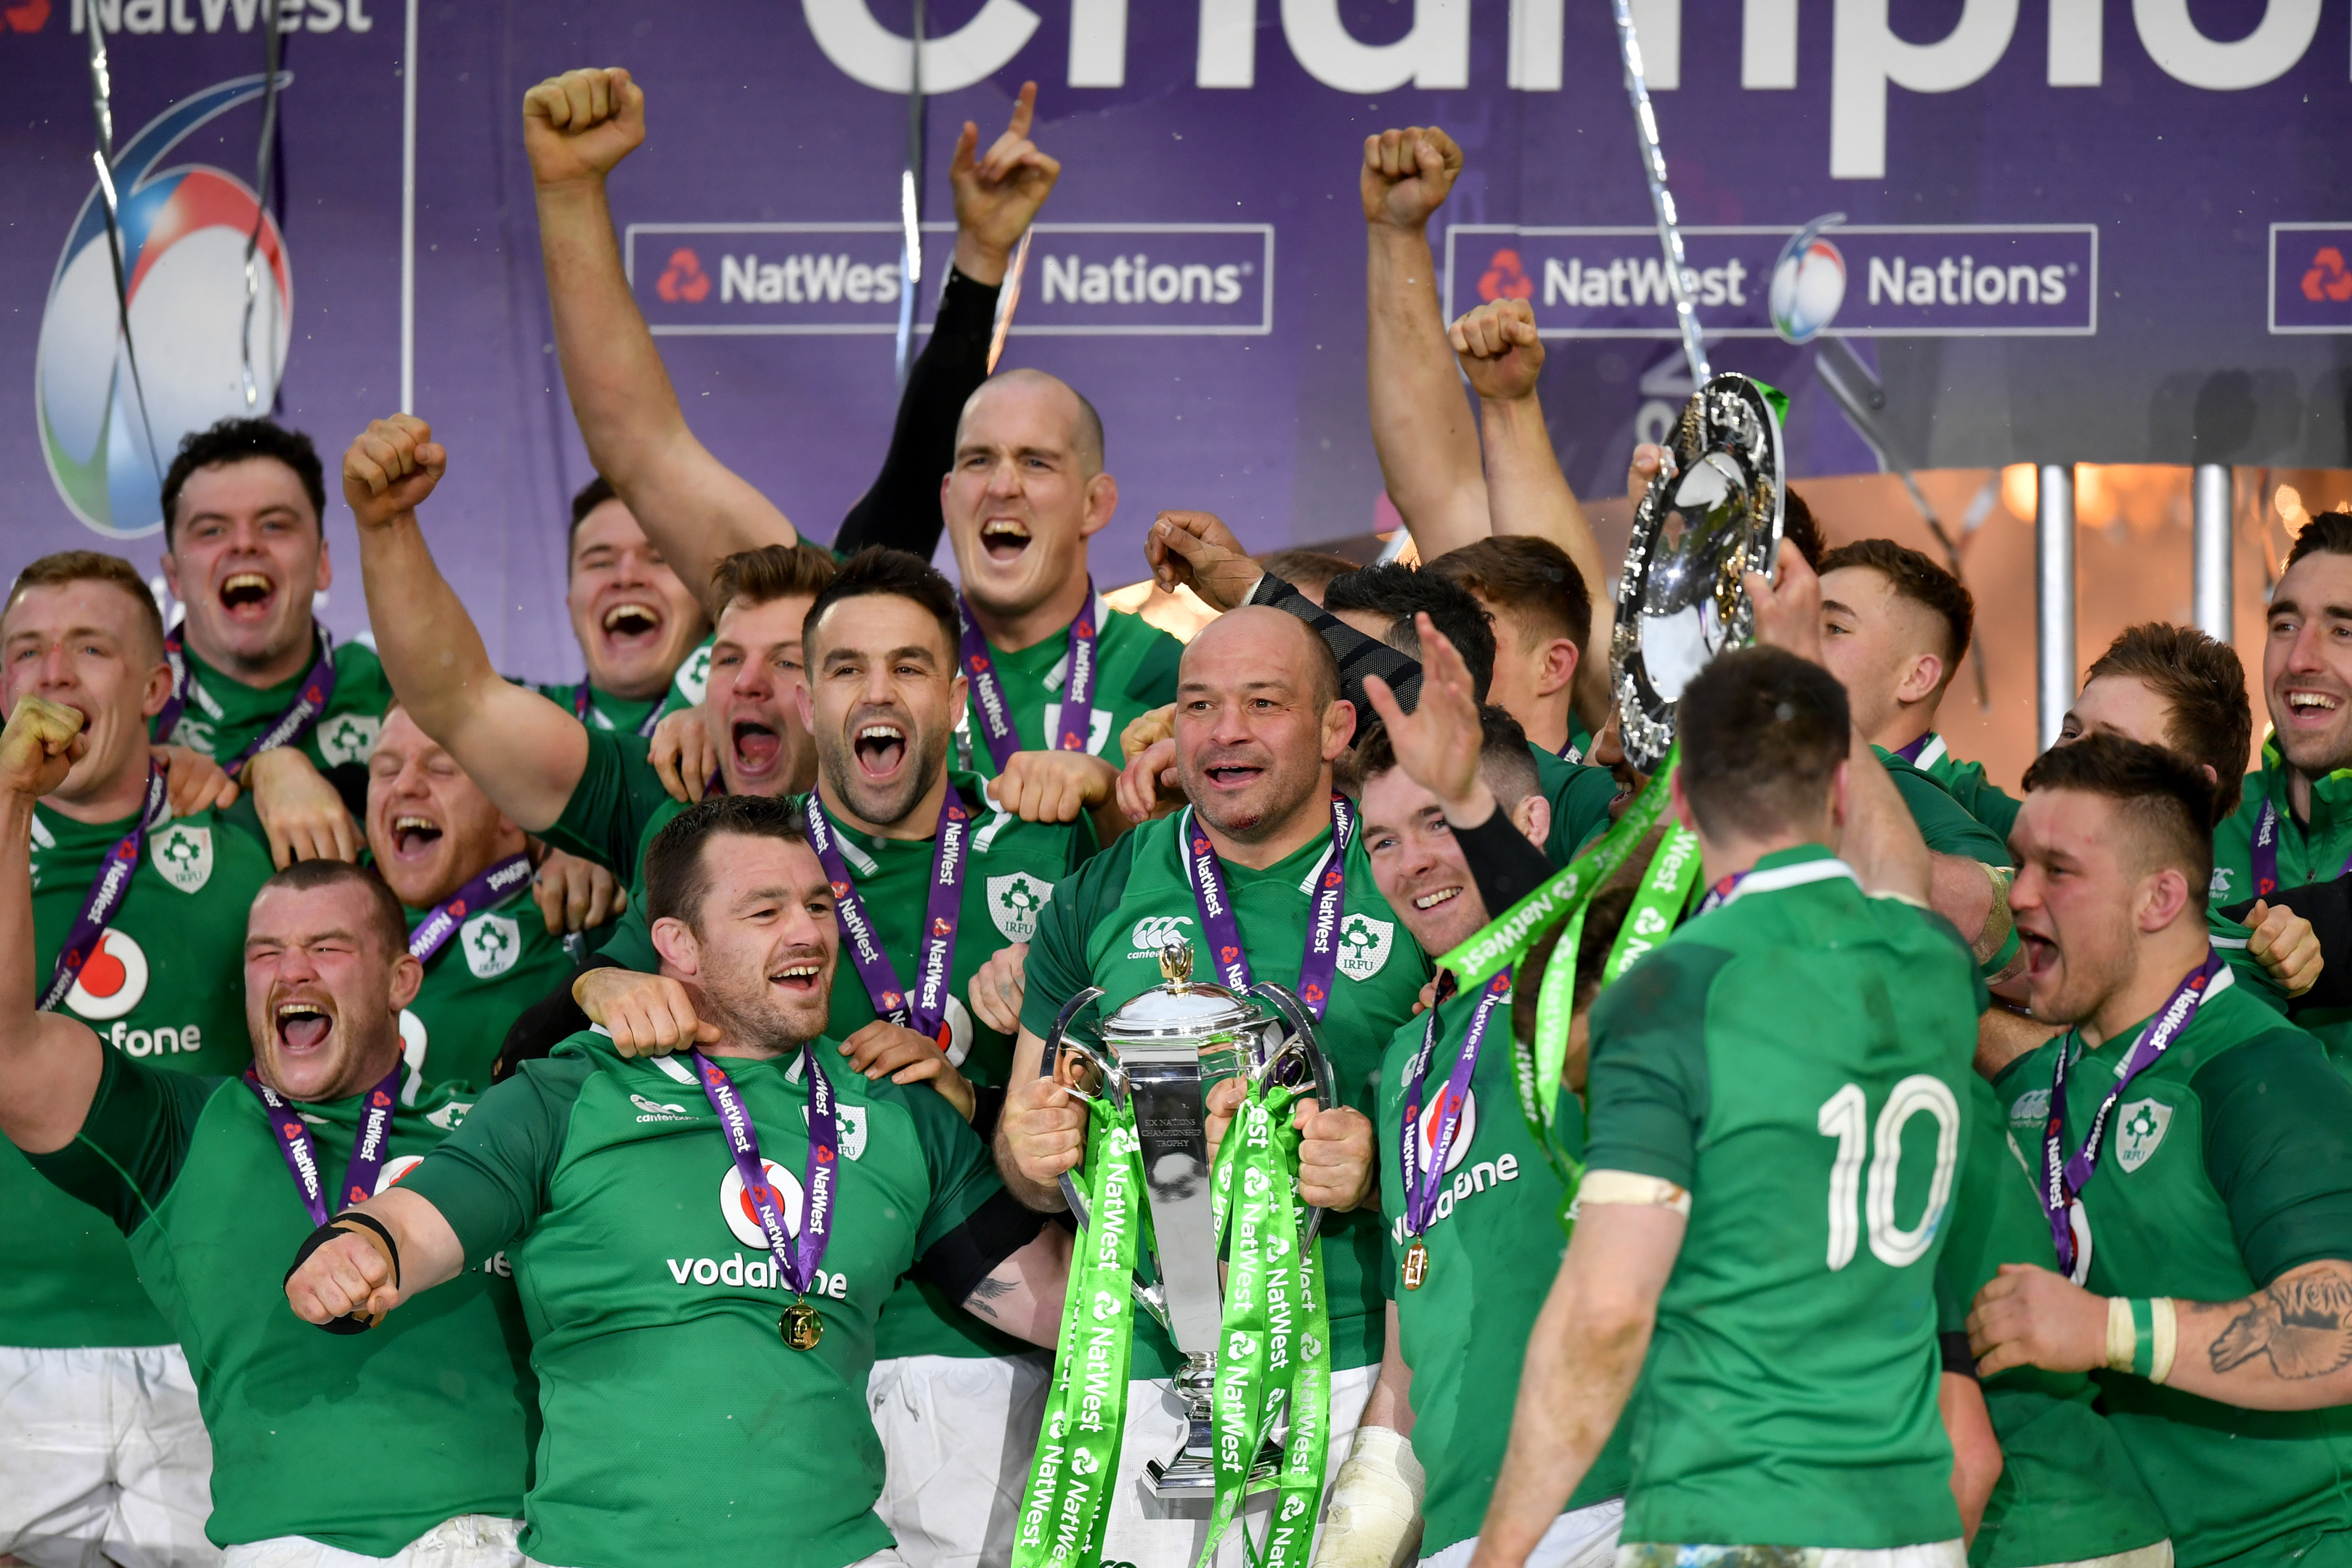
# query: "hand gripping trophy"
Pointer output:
{"type": "Point", "coordinates": [1156, 1213]}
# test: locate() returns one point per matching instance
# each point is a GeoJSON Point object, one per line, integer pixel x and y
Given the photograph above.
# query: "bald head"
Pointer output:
{"type": "Point", "coordinates": [1287, 647]}
{"type": "Point", "coordinates": [1050, 396]}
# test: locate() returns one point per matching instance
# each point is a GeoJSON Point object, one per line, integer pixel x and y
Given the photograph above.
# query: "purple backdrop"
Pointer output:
{"type": "Point", "coordinates": [2149, 200]}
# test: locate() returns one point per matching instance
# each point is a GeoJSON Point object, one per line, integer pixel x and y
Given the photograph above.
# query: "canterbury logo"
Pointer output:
{"type": "Point", "coordinates": [1154, 932]}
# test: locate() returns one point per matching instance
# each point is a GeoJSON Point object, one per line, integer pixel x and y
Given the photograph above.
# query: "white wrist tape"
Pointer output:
{"type": "Point", "coordinates": [1633, 1190]}
{"type": "Point", "coordinates": [1375, 1512]}
{"type": "Point", "coordinates": [2121, 1340]}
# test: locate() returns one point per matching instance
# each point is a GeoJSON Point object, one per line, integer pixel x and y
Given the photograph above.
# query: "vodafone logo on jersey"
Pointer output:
{"type": "Point", "coordinates": [113, 981]}
{"type": "Point", "coordinates": [743, 1219]}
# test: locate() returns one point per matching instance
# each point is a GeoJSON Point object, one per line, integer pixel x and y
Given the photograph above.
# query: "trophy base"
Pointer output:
{"type": "Point", "coordinates": [1192, 1473]}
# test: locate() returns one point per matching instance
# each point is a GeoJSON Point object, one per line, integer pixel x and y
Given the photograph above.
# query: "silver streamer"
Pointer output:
{"type": "Point", "coordinates": [271, 48]}
{"type": "Point", "coordinates": [1661, 200]}
{"type": "Point", "coordinates": [101, 103]}
{"type": "Point", "coordinates": [910, 199]}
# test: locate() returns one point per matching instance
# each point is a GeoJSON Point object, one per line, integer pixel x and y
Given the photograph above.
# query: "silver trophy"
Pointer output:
{"type": "Point", "coordinates": [1161, 1054]}
{"type": "Point", "coordinates": [1713, 513]}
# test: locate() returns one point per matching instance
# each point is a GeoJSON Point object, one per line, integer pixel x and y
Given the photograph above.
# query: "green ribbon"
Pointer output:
{"type": "Point", "coordinates": [1085, 1412]}
{"type": "Point", "coordinates": [1775, 396]}
{"type": "Point", "coordinates": [1504, 940]}
{"type": "Point", "coordinates": [1665, 891]}
{"type": "Point", "coordinates": [1274, 1345]}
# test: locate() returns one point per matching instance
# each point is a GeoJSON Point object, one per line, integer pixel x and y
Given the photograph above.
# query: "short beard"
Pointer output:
{"type": "Point", "coordinates": [2319, 767]}
{"type": "Point", "coordinates": [754, 1019]}
{"type": "Point", "coordinates": [880, 808]}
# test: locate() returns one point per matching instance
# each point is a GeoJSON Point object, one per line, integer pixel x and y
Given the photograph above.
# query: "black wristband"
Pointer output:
{"type": "Point", "coordinates": [353, 1217]}
{"type": "Point", "coordinates": [1953, 1350]}
{"type": "Point", "coordinates": [349, 1322]}
{"type": "Point", "coordinates": [988, 1107]}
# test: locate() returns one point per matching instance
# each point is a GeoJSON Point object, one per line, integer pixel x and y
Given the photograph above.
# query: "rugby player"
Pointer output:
{"type": "Point", "coordinates": [104, 1448]}
{"type": "Point", "coordinates": [2206, 1280]}
{"type": "Point", "coordinates": [215, 1179]}
{"type": "Point", "coordinates": [1259, 723]}
{"type": "Point", "coordinates": [700, 1335]}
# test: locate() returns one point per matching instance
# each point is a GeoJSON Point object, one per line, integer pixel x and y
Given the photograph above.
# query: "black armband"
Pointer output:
{"type": "Point", "coordinates": [1504, 864]}
{"type": "Point", "coordinates": [1959, 1360]}
{"type": "Point", "coordinates": [987, 1110]}
{"type": "Point", "coordinates": [958, 1261]}
{"type": "Point", "coordinates": [348, 1220]}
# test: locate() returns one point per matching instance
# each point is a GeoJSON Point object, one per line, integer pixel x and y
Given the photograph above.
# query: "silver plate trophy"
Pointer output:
{"type": "Point", "coordinates": [1160, 1055]}
{"type": "Point", "coordinates": [1713, 513]}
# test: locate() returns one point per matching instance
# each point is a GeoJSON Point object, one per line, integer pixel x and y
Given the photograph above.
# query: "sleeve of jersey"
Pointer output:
{"type": "Point", "coordinates": [1358, 654]}
{"type": "Point", "coordinates": [1154, 681]}
{"type": "Point", "coordinates": [360, 683]}
{"type": "Point", "coordinates": [902, 508]}
{"type": "Point", "coordinates": [617, 794]}
{"type": "Point", "coordinates": [132, 1141]}
{"type": "Point", "coordinates": [1648, 1080]}
{"type": "Point", "coordinates": [973, 1223]}
{"type": "Point", "coordinates": [2277, 1151]}
{"type": "Point", "coordinates": [489, 1177]}
{"type": "Point", "coordinates": [1943, 821]}
{"type": "Point", "coordinates": [1056, 969]}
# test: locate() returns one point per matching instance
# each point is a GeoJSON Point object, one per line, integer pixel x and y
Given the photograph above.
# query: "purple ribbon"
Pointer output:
{"type": "Point", "coordinates": [1223, 933]}
{"type": "Point", "coordinates": [300, 718]}
{"type": "Point", "coordinates": [993, 710]}
{"type": "Point", "coordinates": [796, 1258]}
{"type": "Point", "coordinates": [926, 1011]}
{"type": "Point", "coordinates": [2063, 1179]}
{"type": "Point", "coordinates": [369, 1144]}
{"type": "Point", "coordinates": [1569, 752]}
{"type": "Point", "coordinates": [582, 706]}
{"type": "Point", "coordinates": [1423, 1187]}
{"type": "Point", "coordinates": [2265, 848]}
{"type": "Point", "coordinates": [106, 894]}
{"type": "Point", "coordinates": [434, 930]}
{"type": "Point", "coordinates": [1913, 752]}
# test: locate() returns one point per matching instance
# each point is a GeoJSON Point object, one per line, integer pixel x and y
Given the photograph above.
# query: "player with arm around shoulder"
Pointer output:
{"type": "Point", "coordinates": [703, 1243]}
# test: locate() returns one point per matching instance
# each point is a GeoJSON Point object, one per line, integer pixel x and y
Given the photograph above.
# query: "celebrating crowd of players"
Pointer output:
{"type": "Point", "coordinates": [1956, 1184]}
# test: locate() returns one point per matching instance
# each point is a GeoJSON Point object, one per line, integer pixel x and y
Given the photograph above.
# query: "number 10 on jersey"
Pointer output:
{"type": "Point", "coordinates": [1845, 1117]}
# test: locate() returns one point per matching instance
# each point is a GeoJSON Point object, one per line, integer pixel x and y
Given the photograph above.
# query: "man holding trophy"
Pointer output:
{"type": "Point", "coordinates": [1263, 879]}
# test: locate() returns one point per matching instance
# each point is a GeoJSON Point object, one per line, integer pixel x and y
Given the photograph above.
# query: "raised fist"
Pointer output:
{"type": "Point", "coordinates": [578, 125]}
{"type": "Point", "coordinates": [39, 747]}
{"type": "Point", "coordinates": [1407, 173]}
{"type": "Point", "coordinates": [1500, 350]}
{"type": "Point", "coordinates": [997, 196]}
{"type": "Point", "coordinates": [391, 468]}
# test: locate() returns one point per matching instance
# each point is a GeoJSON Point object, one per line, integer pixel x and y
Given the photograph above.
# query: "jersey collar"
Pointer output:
{"type": "Point", "coordinates": [1784, 869]}
{"type": "Point", "coordinates": [2222, 981]}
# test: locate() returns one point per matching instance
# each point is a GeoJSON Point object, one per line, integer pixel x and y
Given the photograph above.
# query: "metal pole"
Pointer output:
{"type": "Point", "coordinates": [1679, 280]}
{"type": "Point", "coordinates": [2212, 506]}
{"type": "Point", "coordinates": [408, 211]}
{"type": "Point", "coordinates": [2053, 599]}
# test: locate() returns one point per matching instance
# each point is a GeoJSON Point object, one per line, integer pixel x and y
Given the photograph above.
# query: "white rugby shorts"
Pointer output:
{"type": "Point", "coordinates": [103, 1458]}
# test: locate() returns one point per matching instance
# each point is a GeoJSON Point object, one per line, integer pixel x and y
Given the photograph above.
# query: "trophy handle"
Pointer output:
{"type": "Point", "coordinates": [1305, 1045]}
{"type": "Point", "coordinates": [1050, 1061]}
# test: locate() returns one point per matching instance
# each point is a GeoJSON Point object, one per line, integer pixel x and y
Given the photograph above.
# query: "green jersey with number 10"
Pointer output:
{"type": "Point", "coordinates": [1790, 1395]}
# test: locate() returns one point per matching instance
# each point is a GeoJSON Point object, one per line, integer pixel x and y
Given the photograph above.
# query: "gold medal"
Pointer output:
{"type": "Point", "coordinates": [801, 1327]}
{"type": "Point", "coordinates": [1416, 1265]}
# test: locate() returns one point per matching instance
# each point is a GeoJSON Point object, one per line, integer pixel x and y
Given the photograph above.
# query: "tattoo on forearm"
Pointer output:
{"type": "Point", "coordinates": [2303, 1325]}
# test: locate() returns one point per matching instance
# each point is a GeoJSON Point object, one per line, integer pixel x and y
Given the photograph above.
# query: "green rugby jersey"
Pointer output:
{"type": "Point", "coordinates": [1106, 926]}
{"type": "Point", "coordinates": [1966, 783]}
{"type": "Point", "coordinates": [2259, 1182]}
{"type": "Point", "coordinates": [1942, 820]}
{"type": "Point", "coordinates": [1580, 797]}
{"type": "Point", "coordinates": [622, 715]}
{"type": "Point", "coordinates": [2319, 849]}
{"type": "Point", "coordinates": [225, 715]}
{"type": "Point", "coordinates": [499, 961]}
{"type": "Point", "coordinates": [616, 808]}
{"type": "Point", "coordinates": [678, 1426]}
{"type": "Point", "coordinates": [1008, 881]}
{"type": "Point", "coordinates": [362, 1441]}
{"type": "Point", "coordinates": [166, 987]}
{"type": "Point", "coordinates": [2068, 1490]}
{"type": "Point", "coordinates": [692, 682]}
{"type": "Point", "coordinates": [1790, 1395]}
{"type": "Point", "coordinates": [1135, 672]}
{"type": "Point", "coordinates": [1493, 1249]}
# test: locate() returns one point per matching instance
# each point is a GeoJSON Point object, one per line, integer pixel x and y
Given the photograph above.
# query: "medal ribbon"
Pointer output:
{"type": "Point", "coordinates": [433, 932]}
{"type": "Point", "coordinates": [1505, 939]}
{"type": "Point", "coordinates": [2063, 1178]}
{"type": "Point", "coordinates": [796, 1257]}
{"type": "Point", "coordinates": [1214, 901]}
{"type": "Point", "coordinates": [300, 718]}
{"type": "Point", "coordinates": [106, 894]}
{"type": "Point", "coordinates": [1917, 750]}
{"type": "Point", "coordinates": [582, 705]}
{"type": "Point", "coordinates": [1421, 1187]}
{"type": "Point", "coordinates": [993, 709]}
{"type": "Point", "coordinates": [370, 1142]}
{"type": "Point", "coordinates": [1063, 1512]}
{"type": "Point", "coordinates": [1274, 1354]}
{"type": "Point", "coordinates": [926, 1011]}
{"type": "Point", "coordinates": [1658, 904]}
